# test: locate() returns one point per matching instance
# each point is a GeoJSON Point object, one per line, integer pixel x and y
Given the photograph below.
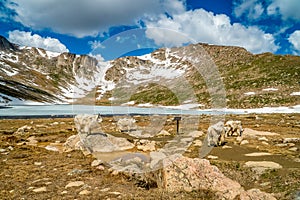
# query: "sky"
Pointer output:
{"type": "Point", "coordinates": [114, 28]}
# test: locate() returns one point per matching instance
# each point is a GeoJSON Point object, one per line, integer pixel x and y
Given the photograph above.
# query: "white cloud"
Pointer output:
{"type": "Point", "coordinates": [253, 9]}
{"type": "Point", "coordinates": [294, 39]}
{"type": "Point", "coordinates": [27, 39]}
{"type": "Point", "coordinates": [82, 18]}
{"type": "Point", "coordinates": [288, 9]}
{"type": "Point", "coordinates": [96, 44]}
{"type": "Point", "coordinates": [202, 26]}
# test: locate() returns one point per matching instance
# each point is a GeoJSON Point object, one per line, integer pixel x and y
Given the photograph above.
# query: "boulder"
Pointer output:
{"type": "Point", "coordinates": [163, 133]}
{"type": "Point", "coordinates": [186, 174]}
{"type": "Point", "coordinates": [96, 143]}
{"type": "Point", "coordinates": [146, 145]}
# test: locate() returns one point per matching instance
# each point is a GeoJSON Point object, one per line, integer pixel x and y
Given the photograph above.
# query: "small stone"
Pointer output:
{"type": "Point", "coordinates": [96, 163]}
{"type": "Point", "coordinates": [226, 147]}
{"type": "Point", "coordinates": [64, 192]}
{"type": "Point", "coordinates": [198, 143]}
{"type": "Point", "coordinates": [100, 167]}
{"type": "Point", "coordinates": [54, 124]}
{"type": "Point", "coordinates": [265, 184]}
{"type": "Point", "coordinates": [75, 184]}
{"type": "Point", "coordinates": [291, 144]}
{"type": "Point", "coordinates": [293, 149]}
{"type": "Point", "coordinates": [41, 189]}
{"type": "Point", "coordinates": [265, 143]}
{"type": "Point", "coordinates": [51, 148]}
{"type": "Point", "coordinates": [105, 190]}
{"type": "Point", "coordinates": [85, 192]}
{"type": "Point", "coordinates": [2, 150]}
{"type": "Point", "coordinates": [244, 142]}
{"type": "Point", "coordinates": [263, 139]}
{"type": "Point", "coordinates": [114, 173]}
{"type": "Point", "coordinates": [115, 193]}
{"type": "Point", "coordinates": [38, 163]}
{"type": "Point", "coordinates": [163, 133]}
{"type": "Point", "coordinates": [212, 157]}
{"type": "Point", "coordinates": [257, 154]}
{"type": "Point", "coordinates": [10, 148]}
{"type": "Point", "coordinates": [195, 134]}
{"type": "Point", "coordinates": [281, 145]}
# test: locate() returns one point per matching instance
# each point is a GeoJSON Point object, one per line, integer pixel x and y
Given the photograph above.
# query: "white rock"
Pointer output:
{"type": "Point", "coordinates": [293, 149]}
{"type": "Point", "coordinates": [51, 148]}
{"type": "Point", "coordinates": [263, 164]}
{"type": "Point", "coordinates": [195, 134]}
{"type": "Point", "coordinates": [115, 193]}
{"type": "Point", "coordinates": [105, 190]}
{"type": "Point", "coordinates": [250, 132]}
{"type": "Point", "coordinates": [75, 184]}
{"type": "Point", "coordinates": [85, 192]}
{"type": "Point", "coordinates": [163, 133]}
{"type": "Point", "coordinates": [38, 163]}
{"type": "Point", "coordinates": [255, 154]}
{"type": "Point", "coordinates": [197, 143]}
{"type": "Point", "coordinates": [147, 146]}
{"type": "Point", "coordinates": [64, 192]}
{"type": "Point", "coordinates": [96, 163]}
{"type": "Point", "coordinates": [41, 189]}
{"type": "Point", "coordinates": [263, 139]}
{"type": "Point", "coordinates": [244, 142]}
{"type": "Point", "coordinates": [211, 157]}
{"type": "Point", "coordinates": [265, 143]}
{"type": "Point", "coordinates": [226, 147]}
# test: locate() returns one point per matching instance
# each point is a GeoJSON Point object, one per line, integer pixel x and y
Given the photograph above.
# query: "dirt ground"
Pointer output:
{"type": "Point", "coordinates": [26, 169]}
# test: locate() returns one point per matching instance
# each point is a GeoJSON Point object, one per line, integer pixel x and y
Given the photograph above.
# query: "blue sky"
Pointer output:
{"type": "Point", "coordinates": [113, 28]}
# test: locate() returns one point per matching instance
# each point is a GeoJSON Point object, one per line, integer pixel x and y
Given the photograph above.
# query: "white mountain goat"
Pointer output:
{"type": "Point", "coordinates": [233, 128]}
{"type": "Point", "coordinates": [216, 134]}
{"type": "Point", "coordinates": [126, 124]}
{"type": "Point", "coordinates": [84, 123]}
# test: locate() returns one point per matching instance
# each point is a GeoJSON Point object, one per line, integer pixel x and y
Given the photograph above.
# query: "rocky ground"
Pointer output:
{"type": "Point", "coordinates": [34, 166]}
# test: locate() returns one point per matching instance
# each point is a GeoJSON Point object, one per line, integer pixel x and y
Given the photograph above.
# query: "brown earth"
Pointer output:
{"type": "Point", "coordinates": [25, 168]}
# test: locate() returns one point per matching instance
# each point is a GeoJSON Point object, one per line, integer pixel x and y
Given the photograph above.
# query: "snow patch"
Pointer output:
{"type": "Point", "coordinates": [249, 93]}
{"type": "Point", "coordinates": [145, 105]}
{"type": "Point", "coordinates": [270, 89]}
{"type": "Point", "coordinates": [184, 106]}
{"type": "Point", "coordinates": [295, 94]}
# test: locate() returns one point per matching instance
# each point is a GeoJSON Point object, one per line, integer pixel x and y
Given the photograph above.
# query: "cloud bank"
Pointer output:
{"type": "Point", "coordinates": [33, 40]}
{"type": "Point", "coordinates": [203, 26]}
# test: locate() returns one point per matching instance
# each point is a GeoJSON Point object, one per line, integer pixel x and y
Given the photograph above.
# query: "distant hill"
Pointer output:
{"type": "Point", "coordinates": [163, 77]}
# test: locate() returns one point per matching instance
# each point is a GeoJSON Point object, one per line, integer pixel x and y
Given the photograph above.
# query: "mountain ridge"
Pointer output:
{"type": "Point", "coordinates": [29, 73]}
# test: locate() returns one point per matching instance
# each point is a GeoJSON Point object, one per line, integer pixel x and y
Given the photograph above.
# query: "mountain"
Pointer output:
{"type": "Point", "coordinates": [201, 75]}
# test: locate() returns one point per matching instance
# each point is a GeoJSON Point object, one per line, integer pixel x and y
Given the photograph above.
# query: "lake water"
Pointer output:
{"type": "Point", "coordinates": [30, 110]}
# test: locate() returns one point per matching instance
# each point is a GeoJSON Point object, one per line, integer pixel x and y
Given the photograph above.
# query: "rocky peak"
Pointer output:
{"type": "Point", "coordinates": [5, 45]}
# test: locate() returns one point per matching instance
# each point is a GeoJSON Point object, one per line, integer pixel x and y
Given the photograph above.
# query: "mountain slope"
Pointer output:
{"type": "Point", "coordinates": [185, 75]}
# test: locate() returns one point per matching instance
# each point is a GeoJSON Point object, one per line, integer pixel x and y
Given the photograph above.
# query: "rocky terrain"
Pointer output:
{"type": "Point", "coordinates": [38, 160]}
{"type": "Point", "coordinates": [164, 77]}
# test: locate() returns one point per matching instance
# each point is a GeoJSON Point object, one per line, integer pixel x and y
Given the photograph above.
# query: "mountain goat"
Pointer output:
{"type": "Point", "coordinates": [233, 127]}
{"type": "Point", "coordinates": [84, 123]}
{"type": "Point", "coordinates": [216, 134]}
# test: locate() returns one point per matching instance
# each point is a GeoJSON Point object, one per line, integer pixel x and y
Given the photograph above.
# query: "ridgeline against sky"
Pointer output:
{"type": "Point", "coordinates": [81, 26]}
